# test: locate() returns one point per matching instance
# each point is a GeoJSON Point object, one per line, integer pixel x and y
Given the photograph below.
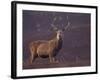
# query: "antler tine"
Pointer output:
{"type": "Point", "coordinates": [52, 25]}
{"type": "Point", "coordinates": [67, 24]}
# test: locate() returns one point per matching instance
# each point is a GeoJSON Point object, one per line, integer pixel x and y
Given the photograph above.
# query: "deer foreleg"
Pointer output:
{"type": "Point", "coordinates": [52, 59]}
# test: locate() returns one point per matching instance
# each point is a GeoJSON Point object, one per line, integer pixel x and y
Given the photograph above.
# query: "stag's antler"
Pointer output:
{"type": "Point", "coordinates": [52, 25]}
{"type": "Point", "coordinates": [55, 26]}
{"type": "Point", "coordinates": [67, 25]}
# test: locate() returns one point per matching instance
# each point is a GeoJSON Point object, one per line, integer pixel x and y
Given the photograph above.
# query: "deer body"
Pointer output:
{"type": "Point", "coordinates": [43, 48]}
{"type": "Point", "coordinates": [48, 48]}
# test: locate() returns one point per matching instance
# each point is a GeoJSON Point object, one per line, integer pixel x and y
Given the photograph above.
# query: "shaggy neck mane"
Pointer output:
{"type": "Point", "coordinates": [57, 43]}
{"type": "Point", "coordinates": [54, 36]}
{"type": "Point", "coordinates": [55, 40]}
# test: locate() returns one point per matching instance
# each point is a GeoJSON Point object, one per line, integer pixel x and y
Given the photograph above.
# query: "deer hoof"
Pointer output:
{"type": "Point", "coordinates": [55, 61]}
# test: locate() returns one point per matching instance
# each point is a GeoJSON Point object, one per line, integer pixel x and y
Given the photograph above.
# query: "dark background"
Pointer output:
{"type": "Point", "coordinates": [75, 51]}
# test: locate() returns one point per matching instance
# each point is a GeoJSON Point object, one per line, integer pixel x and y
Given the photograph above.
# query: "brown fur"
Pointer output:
{"type": "Point", "coordinates": [43, 48]}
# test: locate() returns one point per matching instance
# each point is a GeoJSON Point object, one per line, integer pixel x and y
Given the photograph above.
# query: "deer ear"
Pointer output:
{"type": "Point", "coordinates": [53, 29]}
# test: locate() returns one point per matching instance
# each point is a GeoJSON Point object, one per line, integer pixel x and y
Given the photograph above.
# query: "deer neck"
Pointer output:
{"type": "Point", "coordinates": [57, 36]}
{"type": "Point", "coordinates": [55, 41]}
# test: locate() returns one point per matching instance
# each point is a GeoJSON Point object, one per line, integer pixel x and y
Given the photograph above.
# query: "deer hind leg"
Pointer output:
{"type": "Point", "coordinates": [32, 56]}
{"type": "Point", "coordinates": [50, 58]}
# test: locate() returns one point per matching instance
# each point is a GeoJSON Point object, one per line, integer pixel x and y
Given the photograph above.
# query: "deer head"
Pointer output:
{"type": "Point", "coordinates": [59, 32]}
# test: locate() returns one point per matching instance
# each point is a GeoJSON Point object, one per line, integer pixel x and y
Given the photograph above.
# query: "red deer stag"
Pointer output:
{"type": "Point", "coordinates": [48, 48]}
